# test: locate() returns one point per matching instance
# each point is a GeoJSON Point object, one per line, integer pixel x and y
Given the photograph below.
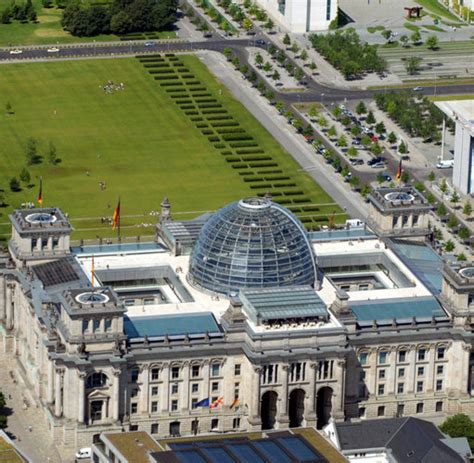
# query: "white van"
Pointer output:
{"type": "Point", "coordinates": [355, 223]}
{"type": "Point", "coordinates": [84, 453]}
{"type": "Point", "coordinates": [447, 164]}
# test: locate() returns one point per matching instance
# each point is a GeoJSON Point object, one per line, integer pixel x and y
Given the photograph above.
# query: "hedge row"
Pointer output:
{"type": "Point", "coordinates": [249, 151]}
{"type": "Point", "coordinates": [243, 144]}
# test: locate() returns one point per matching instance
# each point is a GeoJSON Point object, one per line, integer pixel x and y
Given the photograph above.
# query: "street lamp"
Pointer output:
{"type": "Point", "coordinates": [322, 99]}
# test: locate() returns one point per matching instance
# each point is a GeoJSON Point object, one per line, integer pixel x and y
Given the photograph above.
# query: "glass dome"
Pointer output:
{"type": "Point", "coordinates": [252, 243]}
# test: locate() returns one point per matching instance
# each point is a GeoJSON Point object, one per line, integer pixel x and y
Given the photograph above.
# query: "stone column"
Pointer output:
{"type": "Point", "coordinates": [145, 388]}
{"type": "Point", "coordinates": [165, 392]}
{"type": "Point", "coordinates": [81, 396]}
{"type": "Point", "coordinates": [58, 401]}
{"type": "Point", "coordinates": [50, 389]}
{"type": "Point", "coordinates": [338, 396]}
{"type": "Point", "coordinates": [116, 396]}
{"type": "Point", "coordinates": [254, 412]}
{"type": "Point", "coordinates": [2, 298]}
{"type": "Point", "coordinates": [184, 393]}
{"type": "Point", "coordinates": [283, 419]}
{"type": "Point", "coordinates": [311, 407]}
{"type": "Point", "coordinates": [205, 377]}
{"type": "Point", "coordinates": [9, 305]}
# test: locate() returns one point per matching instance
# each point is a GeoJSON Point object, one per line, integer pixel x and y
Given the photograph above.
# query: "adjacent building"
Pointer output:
{"type": "Point", "coordinates": [276, 327]}
{"type": "Point", "coordinates": [462, 113]}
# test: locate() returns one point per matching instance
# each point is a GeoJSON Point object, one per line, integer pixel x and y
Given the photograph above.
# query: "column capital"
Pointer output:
{"type": "Point", "coordinates": [116, 373]}
{"type": "Point", "coordinates": [257, 369]}
{"type": "Point", "coordinates": [81, 374]}
{"type": "Point", "coordinates": [285, 367]}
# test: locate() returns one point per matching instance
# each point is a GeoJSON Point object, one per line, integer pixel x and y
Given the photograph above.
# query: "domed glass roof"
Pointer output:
{"type": "Point", "coordinates": [252, 243]}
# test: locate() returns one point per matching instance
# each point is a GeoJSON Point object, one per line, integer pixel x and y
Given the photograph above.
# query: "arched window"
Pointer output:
{"type": "Point", "coordinates": [96, 380]}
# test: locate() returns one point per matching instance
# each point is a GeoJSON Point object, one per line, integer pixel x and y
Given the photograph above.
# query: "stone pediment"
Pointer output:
{"type": "Point", "coordinates": [98, 394]}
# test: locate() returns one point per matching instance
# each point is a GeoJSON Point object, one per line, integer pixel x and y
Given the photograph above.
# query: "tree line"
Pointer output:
{"type": "Point", "coordinates": [24, 12]}
{"type": "Point", "coordinates": [347, 53]}
{"type": "Point", "coordinates": [121, 17]}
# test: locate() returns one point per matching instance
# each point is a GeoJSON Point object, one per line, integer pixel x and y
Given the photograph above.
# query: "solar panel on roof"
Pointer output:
{"type": "Point", "coordinates": [56, 272]}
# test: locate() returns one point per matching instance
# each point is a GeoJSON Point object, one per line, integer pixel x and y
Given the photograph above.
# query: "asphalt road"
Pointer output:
{"type": "Point", "coordinates": [313, 92]}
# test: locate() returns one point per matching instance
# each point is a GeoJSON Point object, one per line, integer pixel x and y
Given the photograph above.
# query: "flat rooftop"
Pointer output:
{"type": "Point", "coordinates": [461, 111]}
{"type": "Point", "coordinates": [135, 447]}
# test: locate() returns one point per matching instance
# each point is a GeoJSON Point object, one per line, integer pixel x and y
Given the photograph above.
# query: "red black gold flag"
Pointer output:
{"type": "Point", "coordinates": [40, 192]}
{"type": "Point", "coordinates": [116, 217]}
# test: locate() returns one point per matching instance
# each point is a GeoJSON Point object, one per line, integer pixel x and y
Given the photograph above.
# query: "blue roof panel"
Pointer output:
{"type": "Point", "coordinates": [171, 325]}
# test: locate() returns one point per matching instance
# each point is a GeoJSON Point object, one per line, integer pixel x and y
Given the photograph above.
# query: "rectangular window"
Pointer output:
{"type": "Point", "coordinates": [85, 326]}
{"type": "Point", "coordinates": [154, 428]}
{"type": "Point", "coordinates": [154, 406]}
{"type": "Point", "coordinates": [420, 371]}
{"type": "Point", "coordinates": [419, 386]}
{"type": "Point", "coordinates": [381, 389]}
{"type": "Point", "coordinates": [381, 410]}
{"type": "Point", "coordinates": [328, 10]}
{"type": "Point", "coordinates": [155, 374]}
{"type": "Point", "coordinates": [174, 388]}
{"type": "Point", "coordinates": [195, 388]}
{"type": "Point", "coordinates": [402, 356]}
{"type": "Point", "coordinates": [381, 374]}
{"type": "Point", "coordinates": [215, 387]}
{"type": "Point", "coordinates": [363, 358]}
{"type": "Point", "coordinates": [439, 369]}
{"type": "Point", "coordinates": [175, 373]}
{"type": "Point", "coordinates": [134, 393]}
{"type": "Point", "coordinates": [382, 357]}
{"type": "Point", "coordinates": [439, 384]}
{"type": "Point", "coordinates": [236, 390]}
{"type": "Point", "coordinates": [439, 406]}
{"type": "Point", "coordinates": [215, 369]}
{"type": "Point", "coordinates": [134, 375]}
{"type": "Point", "coordinates": [194, 401]}
{"type": "Point", "coordinates": [237, 369]}
{"type": "Point", "coordinates": [419, 407]}
{"type": "Point", "coordinates": [154, 390]}
{"type": "Point", "coordinates": [195, 371]}
{"type": "Point", "coordinates": [440, 353]}
{"type": "Point", "coordinates": [133, 427]}
{"type": "Point", "coordinates": [362, 375]}
{"type": "Point", "coordinates": [400, 388]}
{"type": "Point", "coordinates": [421, 355]}
{"type": "Point", "coordinates": [361, 412]}
{"type": "Point", "coordinates": [95, 325]}
{"type": "Point", "coordinates": [108, 324]}
{"type": "Point", "coordinates": [174, 405]}
{"type": "Point", "coordinates": [401, 372]}
{"type": "Point", "coordinates": [133, 408]}
{"type": "Point", "coordinates": [236, 423]}
{"type": "Point", "coordinates": [214, 424]}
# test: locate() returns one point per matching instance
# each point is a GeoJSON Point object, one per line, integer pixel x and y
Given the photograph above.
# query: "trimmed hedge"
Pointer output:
{"type": "Point", "coordinates": [224, 124]}
{"type": "Point", "coordinates": [213, 138]}
{"type": "Point", "coordinates": [219, 118]}
{"type": "Point", "coordinates": [202, 125]}
{"type": "Point", "coordinates": [204, 100]}
{"type": "Point", "coordinates": [239, 166]}
{"type": "Point", "coordinates": [263, 164]}
{"type": "Point", "coordinates": [233, 159]}
{"type": "Point", "coordinates": [222, 131]}
{"type": "Point", "coordinates": [311, 209]}
{"type": "Point", "coordinates": [197, 119]}
{"type": "Point", "coordinates": [243, 144]}
{"type": "Point", "coordinates": [284, 185]}
{"type": "Point", "coordinates": [251, 151]}
{"type": "Point", "coordinates": [215, 111]}
{"type": "Point", "coordinates": [170, 84]}
{"type": "Point", "coordinates": [175, 90]}
{"type": "Point", "coordinates": [219, 145]}
{"type": "Point", "coordinates": [293, 193]}
{"type": "Point", "coordinates": [191, 113]}
{"type": "Point", "coordinates": [261, 186]}
{"type": "Point", "coordinates": [237, 137]}
{"type": "Point", "coordinates": [187, 106]}
{"type": "Point", "coordinates": [253, 179]}
{"type": "Point", "coordinates": [207, 132]}
{"type": "Point", "coordinates": [277, 177]}
{"type": "Point", "coordinates": [209, 105]}
{"type": "Point", "coordinates": [302, 200]}
{"type": "Point", "coordinates": [263, 172]}
{"type": "Point", "coordinates": [257, 158]}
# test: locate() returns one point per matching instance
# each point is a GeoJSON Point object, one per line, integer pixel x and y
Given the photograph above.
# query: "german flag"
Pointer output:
{"type": "Point", "coordinates": [40, 192]}
{"type": "Point", "coordinates": [235, 403]}
{"type": "Point", "coordinates": [116, 217]}
{"type": "Point", "coordinates": [399, 171]}
{"type": "Point", "coordinates": [93, 272]}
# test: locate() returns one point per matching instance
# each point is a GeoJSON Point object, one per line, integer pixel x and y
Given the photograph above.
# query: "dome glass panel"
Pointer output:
{"type": "Point", "coordinates": [252, 243]}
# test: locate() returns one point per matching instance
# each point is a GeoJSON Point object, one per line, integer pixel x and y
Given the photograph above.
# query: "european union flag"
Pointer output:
{"type": "Point", "coordinates": [203, 403]}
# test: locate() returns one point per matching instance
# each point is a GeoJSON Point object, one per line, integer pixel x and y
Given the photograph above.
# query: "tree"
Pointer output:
{"type": "Point", "coordinates": [404, 39]}
{"type": "Point", "coordinates": [361, 108]}
{"type": "Point", "coordinates": [52, 154]}
{"type": "Point", "coordinates": [247, 24]}
{"type": "Point", "coordinates": [281, 57]}
{"type": "Point", "coordinates": [459, 425]}
{"type": "Point", "coordinates": [236, 62]}
{"type": "Point", "coordinates": [391, 138]}
{"type": "Point", "coordinates": [420, 187]}
{"type": "Point", "coordinates": [8, 108]}
{"type": "Point", "coordinates": [380, 128]}
{"type": "Point", "coordinates": [295, 48]}
{"type": "Point", "coordinates": [452, 221]}
{"type": "Point", "coordinates": [287, 40]}
{"type": "Point", "coordinates": [370, 118]}
{"type": "Point", "coordinates": [276, 75]}
{"type": "Point", "coordinates": [261, 88]}
{"type": "Point", "coordinates": [336, 112]}
{"type": "Point", "coordinates": [415, 37]}
{"type": "Point", "coordinates": [228, 53]}
{"type": "Point", "coordinates": [312, 65]}
{"type": "Point", "coordinates": [279, 106]}
{"type": "Point", "coordinates": [272, 49]}
{"type": "Point", "coordinates": [430, 198]}
{"type": "Point", "coordinates": [259, 60]}
{"type": "Point", "coordinates": [431, 176]}
{"type": "Point", "coordinates": [443, 186]}
{"type": "Point", "coordinates": [244, 69]}
{"type": "Point", "coordinates": [461, 257]}
{"type": "Point", "coordinates": [252, 77]}
{"type": "Point", "coordinates": [449, 246]}
{"type": "Point", "coordinates": [299, 74]}
{"type": "Point", "coordinates": [31, 151]}
{"type": "Point", "coordinates": [332, 132]}
{"type": "Point", "coordinates": [365, 190]}
{"type": "Point", "coordinates": [342, 141]}
{"type": "Point", "coordinates": [376, 149]}
{"type": "Point", "coordinates": [304, 55]}
{"type": "Point", "coordinates": [405, 177]}
{"type": "Point", "coordinates": [387, 35]}
{"type": "Point", "coordinates": [354, 182]}
{"type": "Point", "coordinates": [269, 24]}
{"type": "Point", "coordinates": [25, 176]}
{"type": "Point", "coordinates": [454, 198]}
{"type": "Point", "coordinates": [356, 130]}
{"type": "Point", "coordinates": [313, 112]}
{"type": "Point", "coordinates": [402, 148]}
{"type": "Point", "coordinates": [432, 42]}
{"type": "Point", "coordinates": [14, 184]}
{"type": "Point", "coordinates": [267, 67]}
{"type": "Point", "coordinates": [322, 121]}
{"type": "Point", "coordinates": [464, 233]}
{"type": "Point", "coordinates": [467, 209]}
{"type": "Point", "coordinates": [3, 418]}
{"type": "Point", "coordinates": [298, 124]}
{"type": "Point", "coordinates": [441, 211]}
{"type": "Point", "coordinates": [352, 152]}
{"type": "Point", "coordinates": [380, 177]}
{"type": "Point", "coordinates": [412, 64]}
{"type": "Point", "coordinates": [308, 131]}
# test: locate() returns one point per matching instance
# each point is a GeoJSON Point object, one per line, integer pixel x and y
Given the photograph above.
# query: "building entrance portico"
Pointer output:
{"type": "Point", "coordinates": [269, 409]}
{"type": "Point", "coordinates": [296, 408]}
{"type": "Point", "coordinates": [324, 406]}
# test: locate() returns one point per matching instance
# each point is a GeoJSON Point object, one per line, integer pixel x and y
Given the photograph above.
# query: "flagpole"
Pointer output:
{"type": "Point", "coordinates": [119, 220]}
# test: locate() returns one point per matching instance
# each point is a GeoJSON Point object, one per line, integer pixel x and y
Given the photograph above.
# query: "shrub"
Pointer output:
{"type": "Point", "coordinates": [249, 151]}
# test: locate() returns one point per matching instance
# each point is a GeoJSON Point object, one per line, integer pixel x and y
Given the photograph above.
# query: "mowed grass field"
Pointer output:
{"type": "Point", "coordinates": [136, 140]}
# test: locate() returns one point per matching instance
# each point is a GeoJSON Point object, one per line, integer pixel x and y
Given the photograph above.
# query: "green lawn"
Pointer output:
{"type": "Point", "coordinates": [434, 6]}
{"type": "Point", "coordinates": [137, 140]}
{"type": "Point", "coordinates": [48, 30]}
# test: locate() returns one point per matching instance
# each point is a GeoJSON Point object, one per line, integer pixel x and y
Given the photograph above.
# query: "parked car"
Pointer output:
{"type": "Point", "coordinates": [387, 177]}
{"type": "Point", "coordinates": [447, 164]}
{"type": "Point", "coordinates": [150, 43]}
{"type": "Point", "coordinates": [53, 50]}
{"type": "Point", "coordinates": [417, 89]}
{"type": "Point", "coordinates": [378, 165]}
{"type": "Point", "coordinates": [16, 52]}
{"type": "Point", "coordinates": [357, 162]}
{"type": "Point", "coordinates": [84, 453]}
{"type": "Point", "coordinates": [260, 42]}
{"type": "Point", "coordinates": [376, 160]}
